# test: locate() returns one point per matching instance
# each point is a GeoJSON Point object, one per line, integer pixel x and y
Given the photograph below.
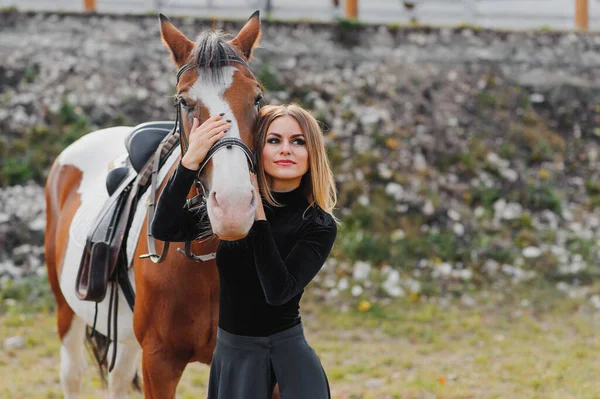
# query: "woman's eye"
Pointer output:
{"type": "Point", "coordinates": [273, 141]}
{"type": "Point", "coordinates": [299, 141]}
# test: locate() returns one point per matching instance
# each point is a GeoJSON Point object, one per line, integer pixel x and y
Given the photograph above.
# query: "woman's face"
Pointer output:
{"type": "Point", "coordinates": [285, 155]}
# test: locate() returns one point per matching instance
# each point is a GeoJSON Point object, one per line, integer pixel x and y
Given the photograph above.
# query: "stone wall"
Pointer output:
{"type": "Point", "coordinates": [463, 156]}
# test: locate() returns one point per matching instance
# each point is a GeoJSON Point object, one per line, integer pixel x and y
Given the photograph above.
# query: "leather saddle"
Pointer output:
{"type": "Point", "coordinates": [104, 250]}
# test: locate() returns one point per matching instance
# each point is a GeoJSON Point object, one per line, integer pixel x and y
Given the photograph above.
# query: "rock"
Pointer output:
{"type": "Point", "coordinates": [454, 215]}
{"type": "Point", "coordinates": [428, 208]}
{"type": "Point", "coordinates": [356, 290]}
{"type": "Point", "coordinates": [374, 382]}
{"type": "Point", "coordinates": [361, 270]}
{"type": "Point", "coordinates": [531, 252]}
{"type": "Point", "coordinates": [391, 285]}
{"type": "Point", "coordinates": [15, 342]}
{"type": "Point", "coordinates": [395, 190]}
{"type": "Point", "coordinates": [397, 235]}
{"type": "Point", "coordinates": [458, 229]}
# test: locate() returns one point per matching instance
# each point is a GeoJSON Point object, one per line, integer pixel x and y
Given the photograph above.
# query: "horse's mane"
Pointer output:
{"type": "Point", "coordinates": [212, 53]}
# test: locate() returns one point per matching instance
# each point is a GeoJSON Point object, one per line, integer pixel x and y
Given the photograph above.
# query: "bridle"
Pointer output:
{"type": "Point", "coordinates": [226, 142]}
{"type": "Point", "coordinates": [200, 199]}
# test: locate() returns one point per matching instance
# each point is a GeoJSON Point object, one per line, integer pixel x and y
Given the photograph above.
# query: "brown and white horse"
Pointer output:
{"type": "Point", "coordinates": [175, 316]}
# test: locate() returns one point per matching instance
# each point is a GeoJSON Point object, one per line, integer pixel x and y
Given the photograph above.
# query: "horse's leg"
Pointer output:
{"type": "Point", "coordinates": [72, 356]}
{"type": "Point", "coordinates": [162, 371]}
{"type": "Point", "coordinates": [119, 379]}
{"type": "Point", "coordinates": [71, 329]}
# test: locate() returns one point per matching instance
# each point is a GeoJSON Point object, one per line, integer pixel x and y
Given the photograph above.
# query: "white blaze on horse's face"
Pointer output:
{"type": "Point", "coordinates": [231, 203]}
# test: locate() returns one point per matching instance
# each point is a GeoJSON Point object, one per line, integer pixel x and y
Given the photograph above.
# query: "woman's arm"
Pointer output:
{"type": "Point", "coordinates": [173, 222]}
{"type": "Point", "coordinates": [283, 279]}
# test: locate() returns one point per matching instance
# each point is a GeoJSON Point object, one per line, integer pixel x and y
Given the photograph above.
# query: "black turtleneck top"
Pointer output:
{"type": "Point", "coordinates": [262, 276]}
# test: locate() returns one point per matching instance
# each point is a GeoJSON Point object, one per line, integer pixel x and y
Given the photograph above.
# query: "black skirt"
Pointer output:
{"type": "Point", "coordinates": [248, 367]}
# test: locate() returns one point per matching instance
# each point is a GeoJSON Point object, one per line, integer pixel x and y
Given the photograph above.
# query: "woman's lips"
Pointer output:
{"type": "Point", "coordinates": [285, 163]}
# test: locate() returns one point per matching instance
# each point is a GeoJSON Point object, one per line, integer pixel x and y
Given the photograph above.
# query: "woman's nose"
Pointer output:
{"type": "Point", "coordinates": [285, 148]}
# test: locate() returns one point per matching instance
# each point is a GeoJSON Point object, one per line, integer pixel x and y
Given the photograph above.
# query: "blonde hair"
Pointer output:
{"type": "Point", "coordinates": [318, 183]}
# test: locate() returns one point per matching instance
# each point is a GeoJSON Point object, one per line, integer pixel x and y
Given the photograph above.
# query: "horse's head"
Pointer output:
{"type": "Point", "coordinates": [216, 79]}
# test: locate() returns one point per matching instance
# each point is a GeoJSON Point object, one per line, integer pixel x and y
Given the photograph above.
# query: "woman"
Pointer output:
{"type": "Point", "coordinates": [260, 338]}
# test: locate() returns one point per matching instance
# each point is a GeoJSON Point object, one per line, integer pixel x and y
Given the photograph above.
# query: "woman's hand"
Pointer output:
{"type": "Point", "coordinates": [260, 211]}
{"type": "Point", "coordinates": [202, 137]}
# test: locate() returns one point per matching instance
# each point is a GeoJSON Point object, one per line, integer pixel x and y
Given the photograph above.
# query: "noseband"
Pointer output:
{"type": "Point", "coordinates": [225, 142]}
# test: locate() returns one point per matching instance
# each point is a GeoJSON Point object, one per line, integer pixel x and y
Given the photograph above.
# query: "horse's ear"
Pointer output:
{"type": "Point", "coordinates": [180, 46]}
{"type": "Point", "coordinates": [249, 36]}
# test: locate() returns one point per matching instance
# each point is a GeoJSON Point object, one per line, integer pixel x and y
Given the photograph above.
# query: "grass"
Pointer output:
{"type": "Point", "coordinates": [405, 349]}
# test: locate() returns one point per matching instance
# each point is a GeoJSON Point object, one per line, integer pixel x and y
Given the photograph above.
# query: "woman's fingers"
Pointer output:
{"type": "Point", "coordinates": [195, 124]}
{"type": "Point", "coordinates": [209, 127]}
{"type": "Point", "coordinates": [217, 136]}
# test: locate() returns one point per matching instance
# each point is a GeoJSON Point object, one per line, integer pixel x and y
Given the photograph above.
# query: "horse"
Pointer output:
{"type": "Point", "coordinates": [174, 320]}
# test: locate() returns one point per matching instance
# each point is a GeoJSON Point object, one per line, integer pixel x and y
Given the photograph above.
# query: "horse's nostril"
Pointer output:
{"type": "Point", "coordinates": [214, 198]}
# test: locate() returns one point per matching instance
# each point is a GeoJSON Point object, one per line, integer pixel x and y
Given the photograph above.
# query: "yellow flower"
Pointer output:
{"type": "Point", "coordinates": [391, 143]}
{"type": "Point", "coordinates": [468, 196]}
{"type": "Point", "coordinates": [442, 380]}
{"type": "Point", "coordinates": [364, 306]}
{"type": "Point", "coordinates": [543, 174]}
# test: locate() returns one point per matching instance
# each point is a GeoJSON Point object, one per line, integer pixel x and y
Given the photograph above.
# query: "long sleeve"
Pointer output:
{"type": "Point", "coordinates": [281, 279]}
{"type": "Point", "coordinates": [173, 222]}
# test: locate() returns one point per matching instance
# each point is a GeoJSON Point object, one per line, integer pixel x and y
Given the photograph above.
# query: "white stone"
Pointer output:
{"type": "Point", "coordinates": [459, 229]}
{"type": "Point", "coordinates": [361, 270]}
{"type": "Point", "coordinates": [445, 269]}
{"type": "Point", "coordinates": [467, 300]}
{"type": "Point", "coordinates": [531, 252]}
{"type": "Point", "coordinates": [16, 342]}
{"type": "Point", "coordinates": [454, 215]}
{"type": "Point", "coordinates": [392, 284]}
{"type": "Point", "coordinates": [395, 190]}
{"type": "Point", "coordinates": [374, 383]}
{"type": "Point", "coordinates": [38, 224]}
{"type": "Point", "coordinates": [419, 162]}
{"type": "Point", "coordinates": [384, 171]}
{"type": "Point", "coordinates": [465, 274]}
{"type": "Point", "coordinates": [343, 284]}
{"type": "Point", "coordinates": [495, 160]}
{"type": "Point", "coordinates": [479, 212]}
{"type": "Point", "coordinates": [509, 174]}
{"type": "Point", "coordinates": [536, 98]}
{"type": "Point", "coordinates": [428, 208]}
{"type": "Point", "coordinates": [412, 285]}
{"type": "Point", "coordinates": [595, 300]}
{"type": "Point", "coordinates": [357, 290]}
{"type": "Point", "coordinates": [329, 283]}
{"type": "Point", "coordinates": [398, 235]}
{"type": "Point", "coordinates": [363, 200]}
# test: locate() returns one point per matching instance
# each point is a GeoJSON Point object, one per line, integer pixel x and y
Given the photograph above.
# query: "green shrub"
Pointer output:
{"type": "Point", "coordinates": [268, 78]}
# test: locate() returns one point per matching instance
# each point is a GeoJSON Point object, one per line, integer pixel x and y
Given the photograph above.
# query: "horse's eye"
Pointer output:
{"type": "Point", "coordinates": [183, 102]}
{"type": "Point", "coordinates": [258, 99]}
